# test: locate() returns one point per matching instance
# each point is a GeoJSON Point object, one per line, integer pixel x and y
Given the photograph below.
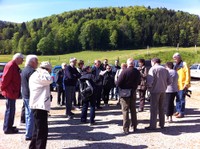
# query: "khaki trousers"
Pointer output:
{"type": "Point", "coordinates": [157, 106]}
{"type": "Point", "coordinates": [129, 104]}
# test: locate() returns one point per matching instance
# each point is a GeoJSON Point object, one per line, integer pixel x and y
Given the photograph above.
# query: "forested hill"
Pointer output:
{"type": "Point", "coordinates": [101, 29]}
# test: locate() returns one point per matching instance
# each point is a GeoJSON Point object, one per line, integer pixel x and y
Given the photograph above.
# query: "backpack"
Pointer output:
{"type": "Point", "coordinates": [86, 89]}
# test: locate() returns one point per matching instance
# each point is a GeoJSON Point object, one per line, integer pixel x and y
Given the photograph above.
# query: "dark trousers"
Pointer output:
{"type": "Point", "coordinates": [61, 92]}
{"type": "Point", "coordinates": [70, 94]}
{"type": "Point", "coordinates": [40, 131]}
{"type": "Point", "coordinates": [92, 103]}
{"type": "Point", "coordinates": [105, 94]}
{"type": "Point", "coordinates": [170, 103]}
{"type": "Point", "coordinates": [142, 98]}
{"type": "Point", "coordinates": [9, 114]}
{"type": "Point", "coordinates": [98, 96]}
{"type": "Point", "coordinates": [129, 104]}
{"type": "Point", "coordinates": [22, 120]}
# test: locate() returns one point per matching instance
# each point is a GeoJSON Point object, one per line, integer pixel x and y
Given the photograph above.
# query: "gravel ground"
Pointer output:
{"type": "Point", "coordinates": [107, 133]}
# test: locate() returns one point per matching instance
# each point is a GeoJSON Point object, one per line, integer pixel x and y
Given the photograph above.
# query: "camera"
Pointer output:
{"type": "Point", "coordinates": [188, 93]}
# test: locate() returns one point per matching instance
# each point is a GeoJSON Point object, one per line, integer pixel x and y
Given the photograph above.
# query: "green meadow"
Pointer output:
{"type": "Point", "coordinates": [190, 55]}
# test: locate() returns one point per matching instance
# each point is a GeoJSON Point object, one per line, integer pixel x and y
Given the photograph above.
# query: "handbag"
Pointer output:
{"type": "Point", "coordinates": [125, 93]}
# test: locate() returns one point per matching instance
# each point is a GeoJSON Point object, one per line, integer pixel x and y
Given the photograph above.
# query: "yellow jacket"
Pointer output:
{"type": "Point", "coordinates": [183, 75]}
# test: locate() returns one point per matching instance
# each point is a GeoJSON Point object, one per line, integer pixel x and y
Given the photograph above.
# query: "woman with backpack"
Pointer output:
{"type": "Point", "coordinates": [87, 90]}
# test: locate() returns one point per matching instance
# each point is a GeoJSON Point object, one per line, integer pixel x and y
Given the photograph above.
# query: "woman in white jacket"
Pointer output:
{"type": "Point", "coordinates": [39, 84]}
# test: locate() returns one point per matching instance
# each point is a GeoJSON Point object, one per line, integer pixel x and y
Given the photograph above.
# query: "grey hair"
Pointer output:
{"type": "Point", "coordinates": [176, 55]}
{"type": "Point", "coordinates": [130, 62]}
{"type": "Point", "coordinates": [30, 58]}
{"type": "Point", "coordinates": [18, 55]}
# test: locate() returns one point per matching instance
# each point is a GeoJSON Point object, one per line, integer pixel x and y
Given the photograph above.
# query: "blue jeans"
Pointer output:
{"type": "Point", "coordinates": [180, 102]}
{"type": "Point", "coordinates": [9, 115]}
{"type": "Point", "coordinates": [29, 119]}
{"type": "Point", "coordinates": [70, 94]}
{"type": "Point", "coordinates": [92, 103]}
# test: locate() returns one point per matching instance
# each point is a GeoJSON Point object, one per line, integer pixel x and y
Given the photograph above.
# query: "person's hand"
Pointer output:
{"type": "Point", "coordinates": [185, 87]}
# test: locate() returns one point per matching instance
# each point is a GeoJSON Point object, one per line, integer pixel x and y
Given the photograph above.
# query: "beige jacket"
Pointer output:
{"type": "Point", "coordinates": [39, 84]}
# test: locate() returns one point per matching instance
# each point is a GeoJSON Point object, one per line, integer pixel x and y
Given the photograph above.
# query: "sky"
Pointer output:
{"type": "Point", "coordinates": [26, 10]}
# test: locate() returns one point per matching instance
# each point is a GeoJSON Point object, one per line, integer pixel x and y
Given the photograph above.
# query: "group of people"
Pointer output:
{"type": "Point", "coordinates": [33, 85]}
{"type": "Point", "coordinates": [104, 81]}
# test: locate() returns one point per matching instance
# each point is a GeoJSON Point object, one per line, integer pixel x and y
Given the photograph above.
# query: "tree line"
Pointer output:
{"type": "Point", "coordinates": [101, 29]}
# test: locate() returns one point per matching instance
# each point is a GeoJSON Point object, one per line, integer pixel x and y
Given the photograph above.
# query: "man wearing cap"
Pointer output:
{"type": "Point", "coordinates": [70, 80]}
{"type": "Point", "coordinates": [183, 84]}
{"type": "Point", "coordinates": [39, 102]}
{"type": "Point", "coordinates": [10, 87]}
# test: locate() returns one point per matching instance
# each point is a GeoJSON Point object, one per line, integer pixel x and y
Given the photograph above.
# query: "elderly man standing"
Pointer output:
{"type": "Point", "coordinates": [96, 71]}
{"type": "Point", "coordinates": [70, 80]}
{"type": "Point", "coordinates": [30, 66]}
{"type": "Point", "coordinates": [157, 81]}
{"type": "Point", "coordinates": [127, 82]}
{"type": "Point", "coordinates": [183, 84]}
{"type": "Point", "coordinates": [10, 87]}
{"type": "Point", "coordinates": [40, 102]}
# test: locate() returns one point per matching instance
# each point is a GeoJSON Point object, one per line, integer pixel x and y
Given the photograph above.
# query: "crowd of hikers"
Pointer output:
{"type": "Point", "coordinates": [92, 87]}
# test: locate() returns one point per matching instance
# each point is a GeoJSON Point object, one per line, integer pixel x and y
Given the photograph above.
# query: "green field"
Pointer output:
{"type": "Point", "coordinates": [190, 55]}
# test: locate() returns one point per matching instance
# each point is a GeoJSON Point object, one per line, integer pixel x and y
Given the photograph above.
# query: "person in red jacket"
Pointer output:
{"type": "Point", "coordinates": [11, 83]}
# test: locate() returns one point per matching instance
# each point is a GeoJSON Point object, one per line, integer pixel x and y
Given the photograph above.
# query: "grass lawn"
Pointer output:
{"type": "Point", "coordinates": [190, 55]}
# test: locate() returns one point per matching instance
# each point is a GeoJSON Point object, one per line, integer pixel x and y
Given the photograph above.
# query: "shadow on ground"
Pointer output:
{"type": "Point", "coordinates": [109, 146]}
{"type": "Point", "coordinates": [191, 121]}
{"type": "Point", "coordinates": [74, 130]}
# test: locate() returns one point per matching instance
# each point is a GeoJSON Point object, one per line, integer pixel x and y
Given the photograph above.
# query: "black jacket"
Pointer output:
{"type": "Point", "coordinates": [108, 80]}
{"type": "Point", "coordinates": [98, 78]}
{"type": "Point", "coordinates": [71, 76]}
{"type": "Point", "coordinates": [129, 78]}
{"type": "Point", "coordinates": [60, 77]}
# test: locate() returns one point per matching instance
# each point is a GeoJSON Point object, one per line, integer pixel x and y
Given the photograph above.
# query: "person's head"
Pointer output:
{"type": "Point", "coordinates": [116, 62]}
{"type": "Point", "coordinates": [46, 65]}
{"type": "Point", "coordinates": [141, 62]}
{"type": "Point", "coordinates": [105, 62]}
{"type": "Point", "coordinates": [108, 68]}
{"type": "Point", "coordinates": [177, 58]}
{"type": "Point", "coordinates": [130, 62]}
{"type": "Point", "coordinates": [97, 63]}
{"type": "Point", "coordinates": [123, 66]}
{"type": "Point", "coordinates": [155, 61]}
{"type": "Point", "coordinates": [87, 69]}
{"type": "Point", "coordinates": [80, 63]}
{"type": "Point", "coordinates": [169, 65]}
{"type": "Point", "coordinates": [31, 60]}
{"type": "Point", "coordinates": [63, 65]}
{"type": "Point", "coordinates": [73, 61]}
{"type": "Point", "coordinates": [18, 58]}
